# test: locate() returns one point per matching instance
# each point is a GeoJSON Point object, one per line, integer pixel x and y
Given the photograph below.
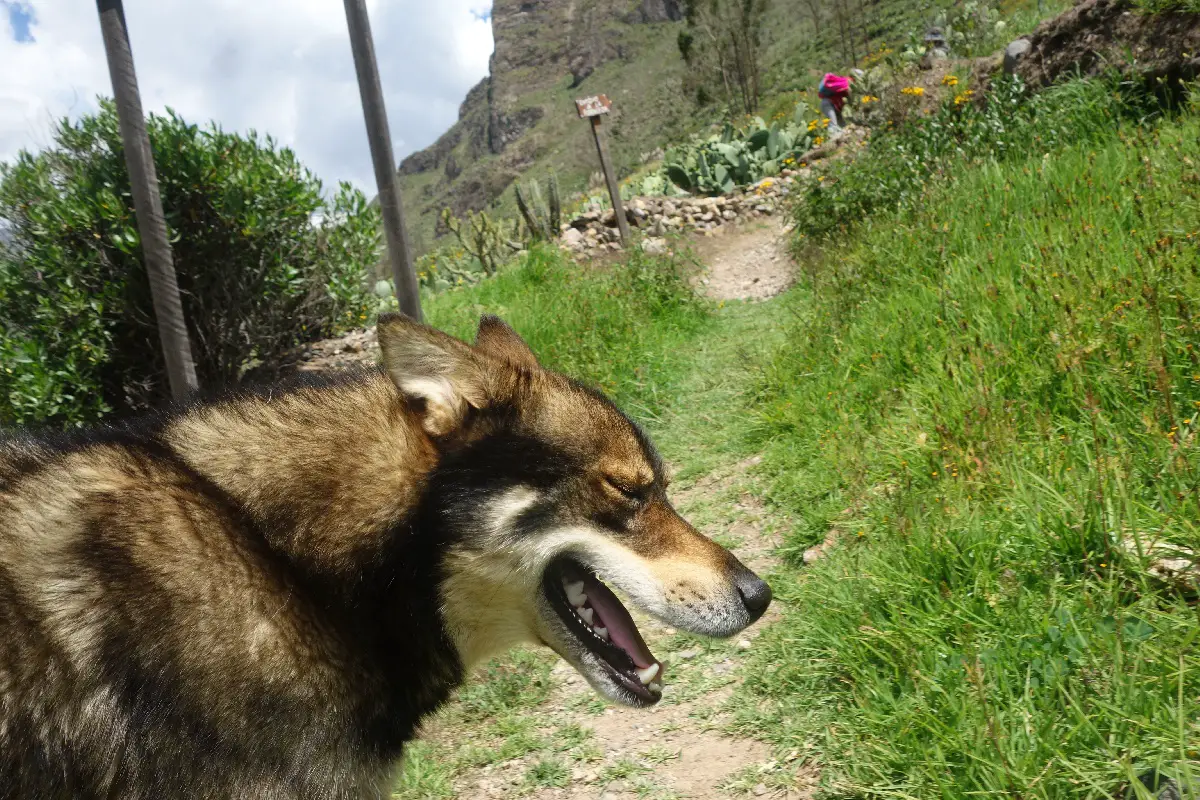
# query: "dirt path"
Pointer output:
{"type": "Point", "coordinates": [748, 263]}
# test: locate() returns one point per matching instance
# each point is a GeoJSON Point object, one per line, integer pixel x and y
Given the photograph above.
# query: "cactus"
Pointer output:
{"type": "Point", "coordinates": [555, 207]}
{"type": "Point", "coordinates": [533, 221]}
{"type": "Point", "coordinates": [734, 158]}
{"type": "Point", "coordinates": [481, 237]}
{"type": "Point", "coordinates": [542, 220]}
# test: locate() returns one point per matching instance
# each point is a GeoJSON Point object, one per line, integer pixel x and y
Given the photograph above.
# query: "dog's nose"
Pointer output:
{"type": "Point", "coordinates": [756, 594]}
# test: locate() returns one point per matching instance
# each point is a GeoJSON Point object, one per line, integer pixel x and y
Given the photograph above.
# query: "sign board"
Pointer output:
{"type": "Point", "coordinates": [593, 106]}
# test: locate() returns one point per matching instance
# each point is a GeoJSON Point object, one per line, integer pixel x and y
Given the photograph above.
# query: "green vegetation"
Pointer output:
{"type": "Point", "coordinates": [654, 90]}
{"type": "Point", "coordinates": [1167, 6]}
{"type": "Point", "coordinates": [487, 242]}
{"type": "Point", "coordinates": [896, 170]}
{"type": "Point", "coordinates": [991, 397]}
{"type": "Point", "coordinates": [618, 328]}
{"type": "Point", "coordinates": [542, 218]}
{"type": "Point", "coordinates": [988, 391]}
{"type": "Point", "coordinates": [741, 156]}
{"type": "Point", "coordinates": [722, 45]}
{"type": "Point", "coordinates": [77, 335]}
{"type": "Point", "coordinates": [549, 771]}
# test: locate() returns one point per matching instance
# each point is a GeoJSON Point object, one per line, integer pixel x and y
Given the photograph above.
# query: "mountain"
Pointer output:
{"type": "Point", "coordinates": [521, 120]}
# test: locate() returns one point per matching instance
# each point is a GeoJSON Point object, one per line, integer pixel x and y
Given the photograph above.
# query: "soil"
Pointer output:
{"type": "Point", "coordinates": [1097, 35]}
{"type": "Point", "coordinates": [747, 263]}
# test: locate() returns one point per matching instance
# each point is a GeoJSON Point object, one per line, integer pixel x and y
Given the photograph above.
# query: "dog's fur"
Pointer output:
{"type": "Point", "coordinates": [261, 596]}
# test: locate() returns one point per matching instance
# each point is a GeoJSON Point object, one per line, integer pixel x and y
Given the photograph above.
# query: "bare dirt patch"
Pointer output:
{"type": "Point", "coordinates": [748, 263]}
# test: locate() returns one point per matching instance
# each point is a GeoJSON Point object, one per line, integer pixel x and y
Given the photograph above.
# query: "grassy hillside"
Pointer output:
{"type": "Point", "coordinates": [617, 329]}
{"type": "Point", "coordinates": [990, 399]}
{"type": "Point", "coordinates": [645, 92]}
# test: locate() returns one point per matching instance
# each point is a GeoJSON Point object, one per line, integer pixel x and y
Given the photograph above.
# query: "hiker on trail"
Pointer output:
{"type": "Point", "coordinates": [833, 91]}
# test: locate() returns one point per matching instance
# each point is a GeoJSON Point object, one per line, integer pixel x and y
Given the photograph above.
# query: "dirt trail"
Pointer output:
{"type": "Point", "coordinates": [749, 263]}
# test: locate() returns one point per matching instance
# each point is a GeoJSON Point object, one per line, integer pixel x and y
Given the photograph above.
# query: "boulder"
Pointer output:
{"type": "Point", "coordinates": [1014, 53]}
{"type": "Point", "coordinates": [572, 237]}
{"type": "Point", "coordinates": [655, 246]}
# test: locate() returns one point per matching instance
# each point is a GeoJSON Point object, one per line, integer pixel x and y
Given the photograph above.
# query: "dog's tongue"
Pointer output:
{"type": "Point", "coordinates": [621, 630]}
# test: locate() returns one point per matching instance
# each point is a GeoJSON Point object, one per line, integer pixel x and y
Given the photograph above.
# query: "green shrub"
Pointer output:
{"type": "Point", "coordinates": [78, 337]}
{"type": "Point", "coordinates": [896, 169]}
{"type": "Point", "coordinates": [1168, 6]}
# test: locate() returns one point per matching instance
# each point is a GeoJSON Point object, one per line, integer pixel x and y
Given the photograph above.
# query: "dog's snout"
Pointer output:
{"type": "Point", "coordinates": [756, 594]}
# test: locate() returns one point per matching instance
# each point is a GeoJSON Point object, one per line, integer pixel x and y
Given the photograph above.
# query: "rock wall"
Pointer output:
{"type": "Point", "coordinates": [595, 232]}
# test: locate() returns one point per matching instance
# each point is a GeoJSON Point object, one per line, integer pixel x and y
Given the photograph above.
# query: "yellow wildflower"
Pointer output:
{"type": "Point", "coordinates": [950, 80]}
{"type": "Point", "coordinates": [914, 91]}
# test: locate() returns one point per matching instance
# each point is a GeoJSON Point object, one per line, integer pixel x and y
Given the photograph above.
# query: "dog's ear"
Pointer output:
{"type": "Point", "coordinates": [433, 368]}
{"type": "Point", "coordinates": [496, 338]}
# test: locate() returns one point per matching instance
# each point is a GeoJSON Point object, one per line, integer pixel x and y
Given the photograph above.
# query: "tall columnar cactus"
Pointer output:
{"type": "Point", "coordinates": [533, 223]}
{"type": "Point", "coordinates": [555, 207]}
{"type": "Point", "coordinates": [543, 219]}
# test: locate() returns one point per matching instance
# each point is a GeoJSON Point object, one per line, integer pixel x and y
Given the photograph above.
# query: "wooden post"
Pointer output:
{"type": "Point", "coordinates": [594, 109]}
{"type": "Point", "coordinates": [147, 204]}
{"type": "Point", "coordinates": [408, 292]}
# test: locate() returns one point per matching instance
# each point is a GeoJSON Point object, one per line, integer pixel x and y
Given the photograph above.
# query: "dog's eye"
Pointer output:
{"type": "Point", "coordinates": [634, 493]}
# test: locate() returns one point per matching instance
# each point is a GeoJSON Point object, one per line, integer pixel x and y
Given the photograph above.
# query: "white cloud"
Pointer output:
{"type": "Point", "coordinates": [281, 67]}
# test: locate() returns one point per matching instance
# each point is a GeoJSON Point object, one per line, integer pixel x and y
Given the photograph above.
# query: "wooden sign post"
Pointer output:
{"type": "Point", "coordinates": [594, 109]}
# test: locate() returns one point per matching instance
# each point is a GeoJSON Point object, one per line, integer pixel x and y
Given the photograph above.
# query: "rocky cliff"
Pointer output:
{"type": "Point", "coordinates": [521, 117]}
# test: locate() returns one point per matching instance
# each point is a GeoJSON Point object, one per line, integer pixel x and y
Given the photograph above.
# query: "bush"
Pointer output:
{"type": "Point", "coordinates": [78, 337]}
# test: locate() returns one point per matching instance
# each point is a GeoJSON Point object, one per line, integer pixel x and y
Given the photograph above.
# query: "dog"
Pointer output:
{"type": "Point", "coordinates": [261, 596]}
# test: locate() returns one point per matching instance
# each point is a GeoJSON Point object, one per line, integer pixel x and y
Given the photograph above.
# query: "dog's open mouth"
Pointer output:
{"type": "Point", "coordinates": [602, 624]}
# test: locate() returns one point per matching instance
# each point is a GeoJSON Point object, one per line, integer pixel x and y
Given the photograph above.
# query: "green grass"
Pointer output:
{"type": "Point", "coordinates": [619, 328]}
{"type": "Point", "coordinates": [992, 395]}
{"type": "Point", "coordinates": [422, 777]}
{"type": "Point", "coordinates": [548, 772]}
{"type": "Point", "coordinates": [902, 163]}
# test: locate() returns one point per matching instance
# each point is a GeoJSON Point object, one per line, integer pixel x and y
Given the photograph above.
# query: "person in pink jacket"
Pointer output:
{"type": "Point", "coordinates": [833, 91]}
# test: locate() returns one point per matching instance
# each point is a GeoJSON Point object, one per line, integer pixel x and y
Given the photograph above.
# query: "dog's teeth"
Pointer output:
{"type": "Point", "coordinates": [586, 613]}
{"type": "Point", "coordinates": [648, 674]}
{"type": "Point", "coordinates": [655, 687]}
{"type": "Point", "coordinates": [575, 595]}
{"type": "Point", "coordinates": [601, 632]}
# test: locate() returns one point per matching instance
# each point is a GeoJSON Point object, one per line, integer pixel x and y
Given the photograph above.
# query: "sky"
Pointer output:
{"type": "Point", "coordinates": [281, 67]}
